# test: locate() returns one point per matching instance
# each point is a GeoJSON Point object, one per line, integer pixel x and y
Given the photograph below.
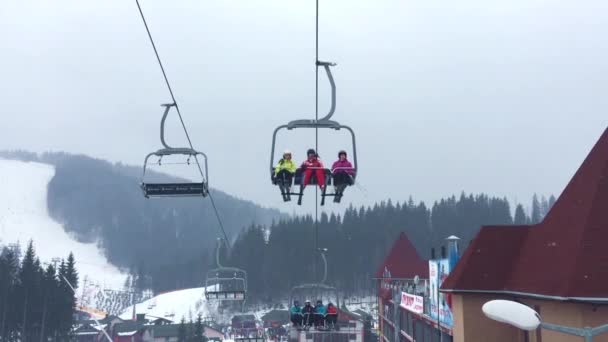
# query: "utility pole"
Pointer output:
{"type": "Point", "coordinates": [84, 286]}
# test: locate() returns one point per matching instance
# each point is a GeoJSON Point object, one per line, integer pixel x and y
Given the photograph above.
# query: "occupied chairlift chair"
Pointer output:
{"type": "Point", "coordinates": [175, 189]}
{"type": "Point", "coordinates": [324, 122]}
{"type": "Point", "coordinates": [315, 291]}
{"type": "Point", "coordinates": [225, 283]}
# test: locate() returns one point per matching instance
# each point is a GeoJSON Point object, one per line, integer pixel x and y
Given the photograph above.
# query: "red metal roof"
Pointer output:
{"type": "Point", "coordinates": [565, 256]}
{"type": "Point", "coordinates": [403, 261]}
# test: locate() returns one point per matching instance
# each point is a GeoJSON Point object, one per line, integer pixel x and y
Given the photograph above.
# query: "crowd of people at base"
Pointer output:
{"type": "Point", "coordinates": [342, 172]}
{"type": "Point", "coordinates": [318, 316]}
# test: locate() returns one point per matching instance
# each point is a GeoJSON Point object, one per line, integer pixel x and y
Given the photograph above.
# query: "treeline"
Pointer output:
{"type": "Point", "coordinates": [358, 242]}
{"type": "Point", "coordinates": [167, 240]}
{"type": "Point", "coordinates": [36, 304]}
{"type": "Point", "coordinates": [191, 331]}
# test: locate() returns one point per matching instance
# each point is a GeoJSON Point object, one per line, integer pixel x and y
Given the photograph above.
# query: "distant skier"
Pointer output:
{"type": "Point", "coordinates": [307, 314]}
{"type": "Point", "coordinates": [320, 312]}
{"type": "Point", "coordinates": [296, 314]}
{"type": "Point", "coordinates": [332, 315]}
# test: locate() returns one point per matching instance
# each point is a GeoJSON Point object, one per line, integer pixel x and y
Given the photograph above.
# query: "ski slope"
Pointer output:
{"type": "Point", "coordinates": [175, 305]}
{"type": "Point", "coordinates": [24, 216]}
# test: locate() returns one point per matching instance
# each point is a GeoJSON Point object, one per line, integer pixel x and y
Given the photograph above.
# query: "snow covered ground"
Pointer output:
{"type": "Point", "coordinates": [24, 216]}
{"type": "Point", "coordinates": [175, 305]}
{"type": "Point", "coordinates": [188, 303]}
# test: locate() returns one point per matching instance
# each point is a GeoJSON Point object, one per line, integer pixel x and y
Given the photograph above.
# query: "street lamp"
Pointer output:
{"type": "Point", "coordinates": [523, 317]}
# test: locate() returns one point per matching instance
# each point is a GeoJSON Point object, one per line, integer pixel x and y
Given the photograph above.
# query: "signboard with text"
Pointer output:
{"type": "Point", "coordinates": [440, 302]}
{"type": "Point", "coordinates": [412, 302]}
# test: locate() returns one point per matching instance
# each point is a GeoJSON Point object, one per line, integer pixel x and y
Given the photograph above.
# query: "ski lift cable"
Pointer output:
{"type": "Point", "coordinates": [217, 215]}
{"type": "Point", "coordinates": [316, 130]}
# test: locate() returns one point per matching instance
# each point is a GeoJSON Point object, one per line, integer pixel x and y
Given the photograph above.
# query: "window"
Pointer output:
{"type": "Point", "coordinates": [352, 337]}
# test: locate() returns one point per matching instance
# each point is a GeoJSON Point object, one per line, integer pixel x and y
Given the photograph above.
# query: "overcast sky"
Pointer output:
{"type": "Point", "coordinates": [503, 97]}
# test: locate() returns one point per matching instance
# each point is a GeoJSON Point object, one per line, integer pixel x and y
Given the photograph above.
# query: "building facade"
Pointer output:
{"type": "Point", "coordinates": [410, 307]}
{"type": "Point", "coordinates": [558, 267]}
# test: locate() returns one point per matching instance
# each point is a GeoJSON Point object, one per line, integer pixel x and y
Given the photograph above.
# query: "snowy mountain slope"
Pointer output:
{"type": "Point", "coordinates": [175, 305]}
{"type": "Point", "coordinates": [24, 216]}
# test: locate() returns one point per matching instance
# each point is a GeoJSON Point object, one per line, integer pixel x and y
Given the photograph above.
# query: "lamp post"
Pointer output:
{"type": "Point", "coordinates": [523, 317]}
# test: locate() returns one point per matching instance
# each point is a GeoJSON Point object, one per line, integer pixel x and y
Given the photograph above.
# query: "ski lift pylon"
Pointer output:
{"type": "Point", "coordinates": [323, 123]}
{"type": "Point", "coordinates": [175, 189]}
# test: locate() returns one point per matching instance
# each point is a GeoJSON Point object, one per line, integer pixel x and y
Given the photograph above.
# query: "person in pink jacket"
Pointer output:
{"type": "Point", "coordinates": [343, 172]}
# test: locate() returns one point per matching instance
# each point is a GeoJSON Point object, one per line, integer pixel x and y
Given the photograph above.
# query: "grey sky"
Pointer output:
{"type": "Point", "coordinates": [504, 97]}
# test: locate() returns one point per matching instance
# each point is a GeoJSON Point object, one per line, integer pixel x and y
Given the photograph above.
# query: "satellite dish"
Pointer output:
{"type": "Point", "coordinates": [416, 280]}
{"type": "Point", "coordinates": [513, 313]}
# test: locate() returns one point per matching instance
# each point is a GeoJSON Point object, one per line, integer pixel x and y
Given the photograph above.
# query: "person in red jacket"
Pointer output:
{"type": "Point", "coordinates": [332, 315]}
{"type": "Point", "coordinates": [311, 166]}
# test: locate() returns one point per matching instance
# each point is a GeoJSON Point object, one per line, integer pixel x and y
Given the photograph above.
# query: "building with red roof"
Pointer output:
{"type": "Point", "coordinates": [559, 267]}
{"type": "Point", "coordinates": [403, 261]}
{"type": "Point", "coordinates": [403, 276]}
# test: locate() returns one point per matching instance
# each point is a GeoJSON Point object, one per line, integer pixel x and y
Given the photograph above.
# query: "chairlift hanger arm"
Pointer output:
{"type": "Point", "coordinates": [332, 108]}
{"type": "Point", "coordinates": [162, 123]}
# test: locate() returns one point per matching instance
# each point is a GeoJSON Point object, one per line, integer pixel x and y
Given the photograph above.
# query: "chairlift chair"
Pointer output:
{"type": "Point", "coordinates": [323, 123]}
{"type": "Point", "coordinates": [315, 291]}
{"type": "Point", "coordinates": [175, 189]}
{"type": "Point", "coordinates": [225, 283]}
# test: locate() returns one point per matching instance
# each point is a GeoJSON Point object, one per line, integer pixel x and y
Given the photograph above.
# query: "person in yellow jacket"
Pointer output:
{"type": "Point", "coordinates": [283, 175]}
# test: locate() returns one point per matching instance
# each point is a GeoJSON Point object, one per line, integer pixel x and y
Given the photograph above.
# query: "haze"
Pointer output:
{"type": "Point", "coordinates": [502, 97]}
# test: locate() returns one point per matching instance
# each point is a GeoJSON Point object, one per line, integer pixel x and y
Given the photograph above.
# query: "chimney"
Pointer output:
{"type": "Point", "coordinates": [433, 257]}
{"type": "Point", "coordinates": [454, 255]}
{"type": "Point", "coordinates": [443, 253]}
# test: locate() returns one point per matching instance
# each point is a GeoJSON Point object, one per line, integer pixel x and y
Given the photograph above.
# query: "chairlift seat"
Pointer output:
{"type": "Point", "coordinates": [299, 177]}
{"type": "Point", "coordinates": [225, 295]}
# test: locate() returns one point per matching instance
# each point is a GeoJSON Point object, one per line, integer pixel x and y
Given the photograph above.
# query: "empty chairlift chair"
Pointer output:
{"type": "Point", "coordinates": [175, 189]}
{"type": "Point", "coordinates": [225, 283]}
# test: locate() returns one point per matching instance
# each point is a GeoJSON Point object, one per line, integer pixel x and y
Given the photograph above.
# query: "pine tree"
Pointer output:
{"type": "Point", "coordinates": [27, 279]}
{"type": "Point", "coordinates": [551, 201]}
{"type": "Point", "coordinates": [182, 333]}
{"type": "Point", "coordinates": [544, 207]}
{"type": "Point", "coordinates": [199, 330]}
{"type": "Point", "coordinates": [49, 284]}
{"type": "Point", "coordinates": [190, 330]}
{"type": "Point", "coordinates": [520, 216]}
{"type": "Point", "coordinates": [65, 308]}
{"type": "Point", "coordinates": [536, 215]}
{"type": "Point", "coordinates": [71, 272]}
{"type": "Point", "coordinates": [9, 270]}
